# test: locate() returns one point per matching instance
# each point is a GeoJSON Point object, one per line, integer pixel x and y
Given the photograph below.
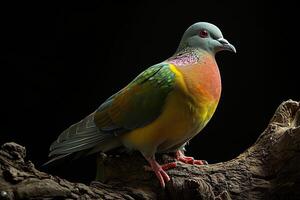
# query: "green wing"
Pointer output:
{"type": "Point", "coordinates": [139, 103]}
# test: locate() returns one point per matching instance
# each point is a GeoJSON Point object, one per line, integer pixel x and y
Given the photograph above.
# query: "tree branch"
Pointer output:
{"type": "Point", "coordinates": [270, 169]}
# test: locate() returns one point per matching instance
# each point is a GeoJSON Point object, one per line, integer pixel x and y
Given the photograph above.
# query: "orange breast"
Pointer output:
{"type": "Point", "coordinates": [203, 80]}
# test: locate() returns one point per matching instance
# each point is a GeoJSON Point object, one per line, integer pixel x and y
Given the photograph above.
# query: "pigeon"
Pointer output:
{"type": "Point", "coordinates": [163, 108]}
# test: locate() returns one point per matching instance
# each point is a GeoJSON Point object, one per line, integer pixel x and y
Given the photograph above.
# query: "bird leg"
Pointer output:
{"type": "Point", "coordinates": [159, 170]}
{"type": "Point", "coordinates": [189, 160]}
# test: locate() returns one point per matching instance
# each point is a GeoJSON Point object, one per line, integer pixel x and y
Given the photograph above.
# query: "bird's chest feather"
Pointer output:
{"type": "Point", "coordinates": [195, 97]}
{"type": "Point", "coordinates": [193, 102]}
{"type": "Point", "coordinates": [187, 110]}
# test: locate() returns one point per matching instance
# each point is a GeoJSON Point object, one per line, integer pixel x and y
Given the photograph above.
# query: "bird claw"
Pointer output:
{"type": "Point", "coordinates": [189, 160]}
{"type": "Point", "coordinates": [165, 167]}
{"type": "Point", "coordinates": [159, 170]}
{"type": "Point", "coordinates": [168, 166]}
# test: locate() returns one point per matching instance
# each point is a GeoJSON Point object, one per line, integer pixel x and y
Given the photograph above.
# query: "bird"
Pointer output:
{"type": "Point", "coordinates": [160, 110]}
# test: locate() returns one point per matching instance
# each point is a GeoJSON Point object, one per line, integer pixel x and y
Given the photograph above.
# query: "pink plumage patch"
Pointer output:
{"type": "Point", "coordinates": [184, 59]}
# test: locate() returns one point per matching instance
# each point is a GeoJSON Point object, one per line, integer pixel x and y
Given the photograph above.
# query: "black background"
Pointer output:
{"type": "Point", "coordinates": [59, 62]}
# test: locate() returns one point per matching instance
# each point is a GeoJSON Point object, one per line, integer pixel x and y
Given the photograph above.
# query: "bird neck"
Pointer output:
{"type": "Point", "coordinates": [188, 55]}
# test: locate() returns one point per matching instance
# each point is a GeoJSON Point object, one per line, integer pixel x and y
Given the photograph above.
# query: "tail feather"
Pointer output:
{"type": "Point", "coordinates": [60, 157]}
{"type": "Point", "coordinates": [80, 138]}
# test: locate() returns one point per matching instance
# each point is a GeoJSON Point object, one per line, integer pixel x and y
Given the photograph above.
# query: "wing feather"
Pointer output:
{"type": "Point", "coordinates": [138, 104]}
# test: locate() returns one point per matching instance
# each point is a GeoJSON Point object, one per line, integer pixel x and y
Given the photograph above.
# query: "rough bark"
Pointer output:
{"type": "Point", "coordinates": [270, 169]}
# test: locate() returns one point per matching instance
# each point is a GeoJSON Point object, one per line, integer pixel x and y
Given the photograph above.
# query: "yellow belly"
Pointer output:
{"type": "Point", "coordinates": [181, 119]}
{"type": "Point", "coordinates": [179, 122]}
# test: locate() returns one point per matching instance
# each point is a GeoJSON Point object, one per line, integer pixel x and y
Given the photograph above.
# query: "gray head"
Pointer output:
{"type": "Point", "coordinates": [206, 36]}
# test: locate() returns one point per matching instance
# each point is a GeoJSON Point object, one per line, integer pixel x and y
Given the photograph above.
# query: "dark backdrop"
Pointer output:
{"type": "Point", "coordinates": [60, 61]}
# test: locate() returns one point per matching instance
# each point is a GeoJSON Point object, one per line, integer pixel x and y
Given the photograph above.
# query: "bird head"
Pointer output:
{"type": "Point", "coordinates": [205, 36]}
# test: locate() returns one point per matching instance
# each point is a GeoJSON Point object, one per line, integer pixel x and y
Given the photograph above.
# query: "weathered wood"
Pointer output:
{"type": "Point", "coordinates": [270, 169]}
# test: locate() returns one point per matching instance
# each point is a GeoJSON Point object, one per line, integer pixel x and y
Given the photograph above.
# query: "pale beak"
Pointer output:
{"type": "Point", "coordinates": [226, 45]}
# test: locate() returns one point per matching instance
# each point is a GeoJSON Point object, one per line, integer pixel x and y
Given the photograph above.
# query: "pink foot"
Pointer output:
{"type": "Point", "coordinates": [168, 166]}
{"type": "Point", "coordinates": [160, 170]}
{"type": "Point", "coordinates": [165, 167]}
{"type": "Point", "coordinates": [189, 160]}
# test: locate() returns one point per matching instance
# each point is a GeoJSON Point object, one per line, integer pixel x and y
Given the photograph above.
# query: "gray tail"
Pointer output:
{"type": "Point", "coordinates": [81, 139]}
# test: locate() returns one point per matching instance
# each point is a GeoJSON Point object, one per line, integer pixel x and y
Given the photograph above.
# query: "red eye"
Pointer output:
{"type": "Point", "coordinates": [203, 33]}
